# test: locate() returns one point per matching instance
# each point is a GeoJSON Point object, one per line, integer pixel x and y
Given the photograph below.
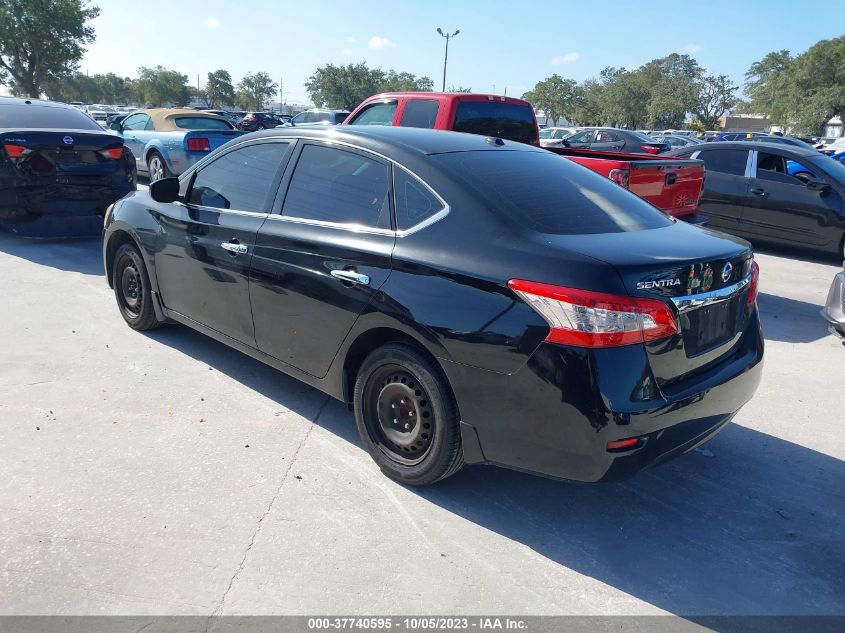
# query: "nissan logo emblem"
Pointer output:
{"type": "Point", "coordinates": [68, 140]}
{"type": "Point", "coordinates": [727, 271]}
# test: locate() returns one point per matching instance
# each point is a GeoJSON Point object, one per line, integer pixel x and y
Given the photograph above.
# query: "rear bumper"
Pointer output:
{"type": "Point", "coordinates": [834, 308]}
{"type": "Point", "coordinates": [556, 415]}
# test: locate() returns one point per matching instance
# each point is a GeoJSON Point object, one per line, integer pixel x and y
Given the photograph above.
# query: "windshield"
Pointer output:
{"type": "Point", "coordinates": [45, 117]}
{"type": "Point", "coordinates": [201, 123]}
{"type": "Point", "coordinates": [550, 194]}
{"type": "Point", "coordinates": [510, 121]}
{"type": "Point", "coordinates": [831, 166]}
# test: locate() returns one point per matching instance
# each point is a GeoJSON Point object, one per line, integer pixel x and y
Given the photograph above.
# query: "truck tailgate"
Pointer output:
{"type": "Point", "coordinates": [673, 186]}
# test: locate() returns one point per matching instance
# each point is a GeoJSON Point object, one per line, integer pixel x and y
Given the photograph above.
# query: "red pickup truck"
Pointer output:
{"type": "Point", "coordinates": [673, 186]}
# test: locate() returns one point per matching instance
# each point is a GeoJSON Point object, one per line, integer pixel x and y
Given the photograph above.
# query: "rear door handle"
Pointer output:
{"type": "Point", "coordinates": [351, 276]}
{"type": "Point", "coordinates": [760, 192]}
{"type": "Point", "coordinates": [234, 247]}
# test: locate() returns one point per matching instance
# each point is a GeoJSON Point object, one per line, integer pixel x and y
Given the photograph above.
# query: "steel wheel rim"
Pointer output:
{"type": "Point", "coordinates": [398, 415]}
{"type": "Point", "coordinates": [131, 290]}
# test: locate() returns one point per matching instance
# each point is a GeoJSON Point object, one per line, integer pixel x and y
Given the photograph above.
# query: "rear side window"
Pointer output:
{"type": "Point", "coordinates": [242, 179]}
{"type": "Point", "coordinates": [420, 113]}
{"type": "Point", "coordinates": [43, 117]}
{"type": "Point", "coordinates": [200, 123]}
{"type": "Point", "coordinates": [510, 121]}
{"type": "Point", "coordinates": [725, 161]}
{"type": "Point", "coordinates": [376, 114]}
{"type": "Point", "coordinates": [549, 194]}
{"type": "Point", "coordinates": [333, 185]}
{"type": "Point", "coordinates": [415, 203]}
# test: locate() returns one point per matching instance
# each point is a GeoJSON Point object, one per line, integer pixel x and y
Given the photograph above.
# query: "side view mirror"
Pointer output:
{"type": "Point", "coordinates": [818, 185]}
{"type": "Point", "coordinates": [564, 142]}
{"type": "Point", "coordinates": [117, 127]}
{"type": "Point", "coordinates": [165, 190]}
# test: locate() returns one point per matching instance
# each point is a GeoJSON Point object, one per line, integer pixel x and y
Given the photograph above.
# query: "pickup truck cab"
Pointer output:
{"type": "Point", "coordinates": [672, 185]}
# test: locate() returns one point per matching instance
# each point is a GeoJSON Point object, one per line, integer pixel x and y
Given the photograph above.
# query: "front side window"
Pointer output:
{"type": "Point", "coordinates": [334, 185]}
{"type": "Point", "coordinates": [241, 180]}
{"type": "Point", "coordinates": [725, 161]}
{"type": "Point", "coordinates": [774, 168]}
{"type": "Point", "coordinates": [302, 117]}
{"type": "Point", "coordinates": [376, 114]}
{"type": "Point", "coordinates": [415, 203]}
{"type": "Point", "coordinates": [582, 137]}
{"type": "Point", "coordinates": [420, 113]}
{"type": "Point", "coordinates": [136, 122]}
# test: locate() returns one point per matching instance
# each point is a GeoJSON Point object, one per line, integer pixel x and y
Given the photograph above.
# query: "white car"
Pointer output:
{"type": "Point", "coordinates": [838, 145]}
{"type": "Point", "coordinates": [553, 136]}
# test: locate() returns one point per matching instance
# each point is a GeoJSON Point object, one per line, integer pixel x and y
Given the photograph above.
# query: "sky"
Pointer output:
{"type": "Point", "coordinates": [502, 45]}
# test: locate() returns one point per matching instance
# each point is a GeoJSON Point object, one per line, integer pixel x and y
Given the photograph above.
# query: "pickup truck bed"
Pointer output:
{"type": "Point", "coordinates": [673, 186]}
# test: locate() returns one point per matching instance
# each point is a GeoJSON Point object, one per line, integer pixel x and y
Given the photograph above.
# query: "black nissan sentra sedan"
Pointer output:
{"type": "Point", "coordinates": [474, 300]}
{"type": "Point", "coordinates": [59, 169]}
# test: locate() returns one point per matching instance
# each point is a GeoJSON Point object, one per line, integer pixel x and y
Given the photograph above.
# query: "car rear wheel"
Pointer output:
{"type": "Point", "coordinates": [156, 167]}
{"type": "Point", "coordinates": [132, 289]}
{"type": "Point", "coordinates": [407, 417]}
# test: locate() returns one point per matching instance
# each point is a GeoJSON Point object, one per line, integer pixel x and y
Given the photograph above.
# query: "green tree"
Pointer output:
{"type": "Point", "coordinates": [674, 86]}
{"type": "Point", "coordinates": [343, 86]}
{"type": "Point", "coordinates": [555, 96]}
{"type": "Point", "coordinates": [405, 82]}
{"type": "Point", "coordinates": [219, 90]}
{"type": "Point", "coordinates": [765, 83]}
{"type": "Point", "coordinates": [716, 96]}
{"type": "Point", "coordinates": [458, 89]}
{"type": "Point", "coordinates": [625, 97]}
{"type": "Point", "coordinates": [159, 86]}
{"type": "Point", "coordinates": [587, 103]}
{"type": "Point", "coordinates": [42, 40]}
{"type": "Point", "coordinates": [254, 90]}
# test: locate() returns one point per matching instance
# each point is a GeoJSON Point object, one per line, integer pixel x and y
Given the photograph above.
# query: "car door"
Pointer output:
{"type": "Point", "coordinates": [207, 241]}
{"type": "Point", "coordinates": [608, 141]}
{"type": "Point", "coordinates": [322, 259]}
{"type": "Point", "coordinates": [784, 208]}
{"type": "Point", "coordinates": [131, 128]}
{"type": "Point", "coordinates": [725, 194]}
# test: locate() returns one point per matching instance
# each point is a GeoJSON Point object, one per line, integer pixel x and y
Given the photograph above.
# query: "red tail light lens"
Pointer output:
{"type": "Point", "coordinates": [112, 152]}
{"type": "Point", "coordinates": [199, 145]}
{"type": "Point", "coordinates": [651, 149]}
{"type": "Point", "coordinates": [583, 318]}
{"type": "Point", "coordinates": [751, 297]}
{"type": "Point", "coordinates": [14, 151]}
{"type": "Point", "coordinates": [623, 445]}
{"type": "Point", "coordinates": [619, 176]}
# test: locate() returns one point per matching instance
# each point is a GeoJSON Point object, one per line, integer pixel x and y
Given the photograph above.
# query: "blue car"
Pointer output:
{"type": "Point", "coordinates": [797, 169]}
{"type": "Point", "coordinates": [167, 141]}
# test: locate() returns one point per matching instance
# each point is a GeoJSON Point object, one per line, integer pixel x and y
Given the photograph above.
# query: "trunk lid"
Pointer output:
{"type": "Point", "coordinates": [206, 141]}
{"type": "Point", "coordinates": [673, 186]}
{"type": "Point", "coordinates": [65, 157]}
{"type": "Point", "coordinates": [702, 274]}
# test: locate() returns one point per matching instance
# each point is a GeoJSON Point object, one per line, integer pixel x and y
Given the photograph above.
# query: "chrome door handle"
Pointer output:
{"type": "Point", "coordinates": [351, 275]}
{"type": "Point", "coordinates": [234, 248]}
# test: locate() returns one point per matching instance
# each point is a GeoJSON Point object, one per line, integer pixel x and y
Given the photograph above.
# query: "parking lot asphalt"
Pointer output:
{"type": "Point", "coordinates": [164, 473]}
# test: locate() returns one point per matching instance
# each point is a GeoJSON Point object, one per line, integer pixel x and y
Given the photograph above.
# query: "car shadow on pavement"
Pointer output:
{"type": "Point", "coordinates": [797, 253]}
{"type": "Point", "coordinates": [749, 524]}
{"type": "Point", "coordinates": [790, 320]}
{"type": "Point", "coordinates": [82, 255]}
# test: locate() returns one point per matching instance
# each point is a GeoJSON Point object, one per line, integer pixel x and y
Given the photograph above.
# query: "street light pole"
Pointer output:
{"type": "Point", "coordinates": [448, 36]}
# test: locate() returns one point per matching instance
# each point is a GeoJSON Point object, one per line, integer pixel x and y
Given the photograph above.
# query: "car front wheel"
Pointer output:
{"type": "Point", "coordinates": [407, 417]}
{"type": "Point", "coordinates": [132, 289]}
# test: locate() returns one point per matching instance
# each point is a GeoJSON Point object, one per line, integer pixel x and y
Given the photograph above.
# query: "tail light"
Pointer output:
{"type": "Point", "coordinates": [583, 318]}
{"type": "Point", "coordinates": [112, 152]}
{"type": "Point", "coordinates": [617, 446]}
{"type": "Point", "coordinates": [14, 151]}
{"type": "Point", "coordinates": [250, 118]}
{"type": "Point", "coordinates": [751, 297]}
{"type": "Point", "coordinates": [199, 145]}
{"type": "Point", "coordinates": [619, 176]}
{"type": "Point", "coordinates": [650, 149]}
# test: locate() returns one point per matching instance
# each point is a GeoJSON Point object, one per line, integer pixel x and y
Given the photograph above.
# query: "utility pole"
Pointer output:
{"type": "Point", "coordinates": [281, 93]}
{"type": "Point", "coordinates": [448, 36]}
{"type": "Point", "coordinates": [198, 87]}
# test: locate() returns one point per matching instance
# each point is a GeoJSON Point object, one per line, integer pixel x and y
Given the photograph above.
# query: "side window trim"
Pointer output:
{"type": "Point", "coordinates": [293, 160]}
{"type": "Point", "coordinates": [273, 187]}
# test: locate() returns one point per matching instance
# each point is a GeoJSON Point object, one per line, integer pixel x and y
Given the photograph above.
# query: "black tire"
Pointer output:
{"type": "Point", "coordinates": [132, 289]}
{"type": "Point", "coordinates": [396, 380]}
{"type": "Point", "coordinates": [156, 166]}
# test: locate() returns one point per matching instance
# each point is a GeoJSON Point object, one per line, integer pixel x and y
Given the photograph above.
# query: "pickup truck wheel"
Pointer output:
{"type": "Point", "coordinates": [407, 417]}
{"type": "Point", "coordinates": [156, 167]}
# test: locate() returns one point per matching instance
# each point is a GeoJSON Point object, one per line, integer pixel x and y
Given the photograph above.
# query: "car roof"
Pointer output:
{"type": "Point", "coordinates": [389, 139]}
{"type": "Point", "coordinates": [163, 117]}
{"type": "Point", "coordinates": [759, 145]}
{"type": "Point", "coordinates": [473, 96]}
{"type": "Point", "coordinates": [35, 102]}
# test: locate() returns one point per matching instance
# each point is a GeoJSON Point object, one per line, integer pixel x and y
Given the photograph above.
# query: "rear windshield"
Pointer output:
{"type": "Point", "coordinates": [510, 121]}
{"type": "Point", "coordinates": [550, 194]}
{"type": "Point", "coordinates": [201, 123]}
{"type": "Point", "coordinates": [41, 117]}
